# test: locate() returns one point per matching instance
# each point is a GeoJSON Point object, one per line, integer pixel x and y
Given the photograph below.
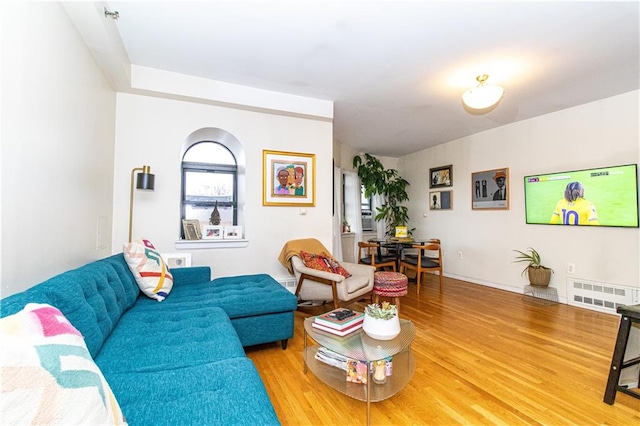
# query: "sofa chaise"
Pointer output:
{"type": "Point", "coordinates": [179, 361]}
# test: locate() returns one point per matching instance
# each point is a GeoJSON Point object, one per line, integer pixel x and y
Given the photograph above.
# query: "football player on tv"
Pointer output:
{"type": "Point", "coordinates": [573, 209]}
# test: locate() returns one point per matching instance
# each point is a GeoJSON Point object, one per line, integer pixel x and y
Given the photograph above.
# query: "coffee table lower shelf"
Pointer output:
{"type": "Point", "coordinates": [403, 368]}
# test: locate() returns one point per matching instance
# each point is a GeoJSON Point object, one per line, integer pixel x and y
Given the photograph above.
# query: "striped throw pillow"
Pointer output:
{"type": "Point", "coordinates": [149, 269]}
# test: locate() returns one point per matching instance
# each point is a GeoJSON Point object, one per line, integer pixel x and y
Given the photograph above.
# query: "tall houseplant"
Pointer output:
{"type": "Point", "coordinates": [389, 185]}
{"type": "Point", "coordinates": [538, 274]}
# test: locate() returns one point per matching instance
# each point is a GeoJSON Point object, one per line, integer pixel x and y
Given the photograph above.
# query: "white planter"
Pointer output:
{"type": "Point", "coordinates": [381, 329]}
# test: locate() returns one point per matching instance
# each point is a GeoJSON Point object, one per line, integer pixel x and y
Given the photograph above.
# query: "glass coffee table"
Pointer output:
{"type": "Point", "coordinates": [359, 346]}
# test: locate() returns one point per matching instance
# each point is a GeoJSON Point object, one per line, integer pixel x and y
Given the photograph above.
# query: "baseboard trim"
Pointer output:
{"type": "Point", "coordinates": [512, 289]}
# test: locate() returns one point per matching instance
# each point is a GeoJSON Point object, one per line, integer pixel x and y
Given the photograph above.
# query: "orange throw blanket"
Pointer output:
{"type": "Point", "coordinates": [294, 247]}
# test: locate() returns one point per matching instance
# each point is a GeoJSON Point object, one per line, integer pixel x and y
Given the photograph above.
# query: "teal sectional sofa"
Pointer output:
{"type": "Point", "coordinates": [180, 361]}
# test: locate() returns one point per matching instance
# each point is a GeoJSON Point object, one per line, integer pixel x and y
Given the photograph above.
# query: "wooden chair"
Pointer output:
{"type": "Point", "coordinates": [424, 262]}
{"type": "Point", "coordinates": [373, 256]}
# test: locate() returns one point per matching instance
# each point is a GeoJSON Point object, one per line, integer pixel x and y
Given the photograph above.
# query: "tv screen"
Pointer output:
{"type": "Point", "coordinates": [607, 196]}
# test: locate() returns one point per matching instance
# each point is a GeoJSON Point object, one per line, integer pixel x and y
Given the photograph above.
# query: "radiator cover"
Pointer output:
{"type": "Point", "coordinates": [599, 296]}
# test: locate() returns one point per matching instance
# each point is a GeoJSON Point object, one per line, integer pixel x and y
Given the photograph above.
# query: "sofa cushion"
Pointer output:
{"type": "Point", "coordinates": [239, 296]}
{"type": "Point", "coordinates": [164, 340]}
{"type": "Point", "coordinates": [48, 375]}
{"type": "Point", "coordinates": [92, 297]}
{"type": "Point", "coordinates": [149, 269]}
{"type": "Point", "coordinates": [226, 392]}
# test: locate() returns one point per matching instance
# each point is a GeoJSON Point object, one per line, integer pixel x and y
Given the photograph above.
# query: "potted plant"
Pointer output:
{"type": "Point", "coordinates": [381, 321]}
{"type": "Point", "coordinates": [538, 274]}
{"type": "Point", "coordinates": [389, 185]}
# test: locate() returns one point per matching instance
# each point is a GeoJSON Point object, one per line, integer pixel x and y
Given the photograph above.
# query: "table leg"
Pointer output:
{"type": "Point", "coordinates": [369, 379]}
{"type": "Point", "coordinates": [617, 360]}
{"type": "Point", "coordinates": [304, 353]}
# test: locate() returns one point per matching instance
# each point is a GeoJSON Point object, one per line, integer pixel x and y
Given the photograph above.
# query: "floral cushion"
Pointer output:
{"type": "Point", "coordinates": [323, 262]}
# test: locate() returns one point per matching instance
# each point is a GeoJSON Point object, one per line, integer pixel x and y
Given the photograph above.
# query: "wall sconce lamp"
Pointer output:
{"type": "Point", "coordinates": [483, 96]}
{"type": "Point", "coordinates": [146, 181]}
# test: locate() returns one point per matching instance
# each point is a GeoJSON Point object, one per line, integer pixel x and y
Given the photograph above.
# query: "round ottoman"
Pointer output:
{"type": "Point", "coordinates": [390, 284]}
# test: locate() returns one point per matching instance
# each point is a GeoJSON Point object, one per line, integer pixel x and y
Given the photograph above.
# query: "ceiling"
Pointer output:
{"type": "Point", "coordinates": [396, 69]}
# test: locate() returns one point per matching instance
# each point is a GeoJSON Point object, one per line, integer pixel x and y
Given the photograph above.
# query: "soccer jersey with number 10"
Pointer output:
{"type": "Point", "coordinates": [579, 212]}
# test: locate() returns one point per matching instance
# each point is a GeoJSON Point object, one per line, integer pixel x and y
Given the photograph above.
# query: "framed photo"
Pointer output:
{"type": "Point", "coordinates": [289, 179]}
{"type": "Point", "coordinates": [440, 177]}
{"type": "Point", "coordinates": [191, 228]}
{"type": "Point", "coordinates": [177, 260]}
{"type": "Point", "coordinates": [441, 200]}
{"type": "Point", "coordinates": [212, 232]}
{"type": "Point", "coordinates": [233, 232]}
{"type": "Point", "coordinates": [490, 190]}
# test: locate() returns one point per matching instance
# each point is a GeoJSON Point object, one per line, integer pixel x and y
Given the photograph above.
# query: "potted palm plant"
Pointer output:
{"type": "Point", "coordinates": [538, 274]}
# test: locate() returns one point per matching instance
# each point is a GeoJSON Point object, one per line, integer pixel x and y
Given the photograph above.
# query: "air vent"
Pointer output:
{"type": "Point", "coordinates": [288, 283]}
{"type": "Point", "coordinates": [598, 296]}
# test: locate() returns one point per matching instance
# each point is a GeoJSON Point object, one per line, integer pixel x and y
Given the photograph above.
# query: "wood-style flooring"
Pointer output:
{"type": "Point", "coordinates": [483, 357]}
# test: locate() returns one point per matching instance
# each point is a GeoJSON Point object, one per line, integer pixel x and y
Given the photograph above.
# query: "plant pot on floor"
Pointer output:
{"type": "Point", "coordinates": [539, 277]}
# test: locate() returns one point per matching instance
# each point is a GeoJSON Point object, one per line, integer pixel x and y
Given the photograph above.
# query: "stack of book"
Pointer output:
{"type": "Point", "coordinates": [340, 321]}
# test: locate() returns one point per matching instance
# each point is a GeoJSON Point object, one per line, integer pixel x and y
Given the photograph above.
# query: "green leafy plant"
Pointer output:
{"type": "Point", "coordinates": [384, 311]}
{"type": "Point", "coordinates": [532, 257]}
{"type": "Point", "coordinates": [389, 185]}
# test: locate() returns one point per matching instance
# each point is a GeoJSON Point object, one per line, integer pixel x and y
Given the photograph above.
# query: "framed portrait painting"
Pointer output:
{"type": "Point", "coordinates": [441, 177]}
{"type": "Point", "coordinates": [490, 190]}
{"type": "Point", "coordinates": [289, 179]}
{"type": "Point", "coordinates": [440, 200]}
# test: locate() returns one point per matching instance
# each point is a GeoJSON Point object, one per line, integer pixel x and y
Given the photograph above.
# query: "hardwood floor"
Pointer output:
{"type": "Point", "coordinates": [483, 356]}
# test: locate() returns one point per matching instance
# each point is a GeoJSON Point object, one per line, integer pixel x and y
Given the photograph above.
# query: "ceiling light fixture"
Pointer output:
{"type": "Point", "coordinates": [483, 96]}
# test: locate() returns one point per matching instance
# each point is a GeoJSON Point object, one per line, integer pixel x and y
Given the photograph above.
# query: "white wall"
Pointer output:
{"type": "Point", "coordinates": [58, 121]}
{"type": "Point", "coordinates": [151, 131]}
{"type": "Point", "coordinates": [601, 133]}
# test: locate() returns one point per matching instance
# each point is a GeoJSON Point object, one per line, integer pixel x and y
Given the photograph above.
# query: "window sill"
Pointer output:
{"type": "Point", "coordinates": [210, 244]}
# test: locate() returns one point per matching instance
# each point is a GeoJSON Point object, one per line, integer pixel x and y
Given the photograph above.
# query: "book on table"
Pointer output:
{"type": "Point", "coordinates": [343, 332]}
{"type": "Point", "coordinates": [339, 319]}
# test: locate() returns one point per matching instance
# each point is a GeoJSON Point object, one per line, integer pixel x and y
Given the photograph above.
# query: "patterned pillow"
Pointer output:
{"type": "Point", "coordinates": [323, 262]}
{"type": "Point", "coordinates": [337, 268]}
{"type": "Point", "coordinates": [316, 261]}
{"type": "Point", "coordinates": [48, 375]}
{"type": "Point", "coordinates": [148, 268]}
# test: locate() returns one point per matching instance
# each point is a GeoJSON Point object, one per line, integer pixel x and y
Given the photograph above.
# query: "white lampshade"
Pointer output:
{"type": "Point", "coordinates": [483, 96]}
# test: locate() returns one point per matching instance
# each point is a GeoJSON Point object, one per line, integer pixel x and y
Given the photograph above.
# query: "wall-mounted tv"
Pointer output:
{"type": "Point", "coordinates": [606, 196]}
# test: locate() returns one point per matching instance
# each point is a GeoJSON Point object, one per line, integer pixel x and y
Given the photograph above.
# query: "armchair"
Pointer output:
{"type": "Point", "coordinates": [313, 284]}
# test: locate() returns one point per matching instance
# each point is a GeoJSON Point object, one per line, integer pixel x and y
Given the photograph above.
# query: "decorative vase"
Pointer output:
{"type": "Point", "coordinates": [539, 277]}
{"type": "Point", "coordinates": [379, 371]}
{"type": "Point", "coordinates": [381, 329]}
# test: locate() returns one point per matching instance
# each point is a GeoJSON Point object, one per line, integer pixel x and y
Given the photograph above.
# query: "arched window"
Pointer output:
{"type": "Point", "coordinates": [213, 171]}
{"type": "Point", "coordinates": [209, 181]}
